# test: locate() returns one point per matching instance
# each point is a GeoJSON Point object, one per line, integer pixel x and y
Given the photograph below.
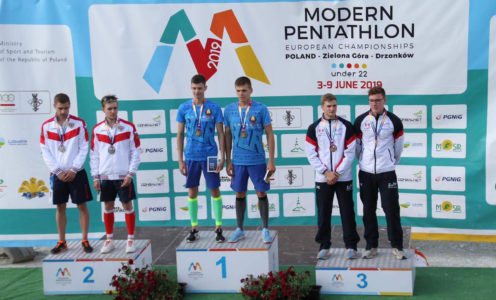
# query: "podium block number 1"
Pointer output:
{"type": "Point", "coordinates": [222, 262]}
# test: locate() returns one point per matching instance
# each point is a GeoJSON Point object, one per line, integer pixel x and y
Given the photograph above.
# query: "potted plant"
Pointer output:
{"type": "Point", "coordinates": [287, 284]}
{"type": "Point", "coordinates": [145, 283]}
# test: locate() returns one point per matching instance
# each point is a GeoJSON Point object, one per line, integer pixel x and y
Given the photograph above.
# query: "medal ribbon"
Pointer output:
{"type": "Point", "coordinates": [62, 129]}
{"type": "Point", "coordinates": [377, 131]}
{"type": "Point", "coordinates": [111, 134]}
{"type": "Point", "coordinates": [243, 120]}
{"type": "Point", "coordinates": [198, 118]}
{"type": "Point", "coordinates": [332, 134]}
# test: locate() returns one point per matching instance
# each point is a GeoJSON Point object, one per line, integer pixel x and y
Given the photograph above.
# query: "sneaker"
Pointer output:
{"type": "Point", "coordinates": [237, 236]}
{"type": "Point", "coordinates": [130, 248]}
{"type": "Point", "coordinates": [266, 236]}
{"type": "Point", "coordinates": [219, 238]}
{"type": "Point", "coordinates": [193, 236]}
{"type": "Point", "coordinates": [351, 254]}
{"type": "Point", "coordinates": [86, 246]}
{"type": "Point", "coordinates": [108, 246]}
{"type": "Point", "coordinates": [323, 254]}
{"type": "Point", "coordinates": [370, 253]}
{"type": "Point", "coordinates": [61, 247]}
{"type": "Point", "coordinates": [399, 254]}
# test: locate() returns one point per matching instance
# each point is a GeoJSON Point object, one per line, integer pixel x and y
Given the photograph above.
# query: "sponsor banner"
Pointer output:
{"type": "Point", "coordinates": [448, 207]}
{"type": "Point", "coordinates": [253, 207]}
{"type": "Point", "coordinates": [180, 182]}
{"type": "Point", "coordinates": [411, 177]}
{"type": "Point", "coordinates": [412, 116]}
{"type": "Point", "coordinates": [299, 204]}
{"type": "Point", "coordinates": [182, 211]}
{"type": "Point", "coordinates": [340, 46]}
{"type": "Point", "coordinates": [491, 120]}
{"type": "Point", "coordinates": [154, 209]}
{"type": "Point", "coordinates": [153, 150]}
{"type": "Point", "coordinates": [228, 207]}
{"type": "Point", "coordinates": [293, 145]}
{"type": "Point", "coordinates": [225, 181]}
{"type": "Point", "coordinates": [119, 212]}
{"type": "Point", "coordinates": [25, 102]}
{"type": "Point", "coordinates": [413, 205]}
{"type": "Point", "coordinates": [152, 182]}
{"type": "Point", "coordinates": [415, 145]}
{"type": "Point", "coordinates": [291, 117]}
{"type": "Point", "coordinates": [291, 177]}
{"type": "Point", "coordinates": [265, 145]}
{"type": "Point", "coordinates": [360, 109]}
{"type": "Point", "coordinates": [445, 178]}
{"type": "Point", "coordinates": [173, 122]}
{"type": "Point", "coordinates": [149, 121]}
{"type": "Point", "coordinates": [344, 111]}
{"type": "Point", "coordinates": [100, 116]}
{"type": "Point", "coordinates": [379, 211]}
{"type": "Point", "coordinates": [449, 145]}
{"type": "Point", "coordinates": [449, 116]}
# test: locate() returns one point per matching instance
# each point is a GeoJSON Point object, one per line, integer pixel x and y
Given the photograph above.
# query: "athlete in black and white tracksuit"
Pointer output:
{"type": "Point", "coordinates": [318, 149]}
{"type": "Point", "coordinates": [378, 149]}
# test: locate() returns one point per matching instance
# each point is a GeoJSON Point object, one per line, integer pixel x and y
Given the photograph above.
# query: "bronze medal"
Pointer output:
{"type": "Point", "coordinates": [333, 148]}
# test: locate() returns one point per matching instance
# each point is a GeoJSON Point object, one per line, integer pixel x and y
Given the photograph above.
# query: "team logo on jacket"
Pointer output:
{"type": "Point", "coordinates": [253, 119]}
{"type": "Point", "coordinates": [208, 112]}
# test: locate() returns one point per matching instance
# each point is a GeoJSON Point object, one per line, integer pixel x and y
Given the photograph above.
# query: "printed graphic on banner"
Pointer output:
{"type": "Point", "coordinates": [491, 120]}
{"type": "Point", "coordinates": [415, 145]}
{"type": "Point", "coordinates": [25, 102]}
{"type": "Point", "coordinates": [299, 204]}
{"type": "Point", "coordinates": [291, 117]}
{"type": "Point", "coordinates": [182, 211]}
{"type": "Point", "coordinates": [254, 210]}
{"type": "Point", "coordinates": [413, 205]}
{"type": "Point", "coordinates": [446, 178]}
{"type": "Point", "coordinates": [149, 121]}
{"type": "Point", "coordinates": [344, 111]}
{"type": "Point", "coordinates": [294, 145]}
{"type": "Point", "coordinates": [152, 182]}
{"type": "Point", "coordinates": [449, 116]}
{"type": "Point", "coordinates": [119, 212]}
{"type": "Point", "coordinates": [411, 177]}
{"type": "Point", "coordinates": [265, 145]}
{"type": "Point", "coordinates": [412, 116]}
{"type": "Point", "coordinates": [154, 209]}
{"type": "Point", "coordinates": [449, 145]}
{"type": "Point", "coordinates": [290, 177]}
{"type": "Point", "coordinates": [228, 207]}
{"type": "Point", "coordinates": [448, 207]}
{"type": "Point", "coordinates": [180, 182]}
{"type": "Point", "coordinates": [341, 46]}
{"type": "Point", "coordinates": [153, 150]}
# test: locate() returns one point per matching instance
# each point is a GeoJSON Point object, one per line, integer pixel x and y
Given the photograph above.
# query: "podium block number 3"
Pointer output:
{"type": "Point", "coordinates": [88, 279]}
{"type": "Point", "coordinates": [222, 263]}
{"type": "Point", "coordinates": [363, 281]}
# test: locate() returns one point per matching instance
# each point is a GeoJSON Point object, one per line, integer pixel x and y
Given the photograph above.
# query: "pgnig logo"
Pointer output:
{"type": "Point", "coordinates": [206, 59]}
{"type": "Point", "coordinates": [448, 145]}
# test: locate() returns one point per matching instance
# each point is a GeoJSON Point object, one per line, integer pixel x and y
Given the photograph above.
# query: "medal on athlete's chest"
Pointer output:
{"type": "Point", "coordinates": [333, 147]}
{"type": "Point", "coordinates": [111, 149]}
{"type": "Point", "coordinates": [61, 148]}
{"type": "Point", "coordinates": [243, 134]}
{"type": "Point", "coordinates": [198, 132]}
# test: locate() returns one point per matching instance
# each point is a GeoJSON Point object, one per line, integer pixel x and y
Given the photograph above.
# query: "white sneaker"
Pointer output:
{"type": "Point", "coordinates": [130, 248]}
{"type": "Point", "coordinates": [371, 253]}
{"type": "Point", "coordinates": [108, 246]}
{"type": "Point", "coordinates": [399, 254]}
{"type": "Point", "coordinates": [351, 254]}
{"type": "Point", "coordinates": [323, 254]}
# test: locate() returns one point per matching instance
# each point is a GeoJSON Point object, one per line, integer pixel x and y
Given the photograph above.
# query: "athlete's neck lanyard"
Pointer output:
{"type": "Point", "coordinates": [243, 120]}
{"type": "Point", "coordinates": [111, 133]}
{"type": "Point", "coordinates": [331, 135]}
{"type": "Point", "coordinates": [197, 118]}
{"type": "Point", "coordinates": [61, 129]}
{"type": "Point", "coordinates": [377, 131]}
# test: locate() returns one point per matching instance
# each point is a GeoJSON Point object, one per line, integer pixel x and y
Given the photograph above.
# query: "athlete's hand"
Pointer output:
{"type": "Point", "coordinates": [230, 169]}
{"type": "Point", "coordinates": [70, 176]}
{"type": "Point", "coordinates": [127, 181]}
{"type": "Point", "coordinates": [271, 167]}
{"type": "Point", "coordinates": [96, 185]}
{"type": "Point", "coordinates": [220, 166]}
{"type": "Point", "coordinates": [183, 168]}
{"type": "Point", "coordinates": [62, 176]}
{"type": "Point", "coordinates": [330, 177]}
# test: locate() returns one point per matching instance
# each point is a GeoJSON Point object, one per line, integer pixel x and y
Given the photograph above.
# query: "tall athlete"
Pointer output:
{"type": "Point", "coordinates": [379, 147]}
{"type": "Point", "coordinates": [201, 117]}
{"type": "Point", "coordinates": [114, 160]}
{"type": "Point", "coordinates": [245, 122]}
{"type": "Point", "coordinates": [64, 145]}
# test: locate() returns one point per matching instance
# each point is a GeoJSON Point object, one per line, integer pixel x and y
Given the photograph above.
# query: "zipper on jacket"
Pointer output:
{"type": "Point", "coordinates": [376, 140]}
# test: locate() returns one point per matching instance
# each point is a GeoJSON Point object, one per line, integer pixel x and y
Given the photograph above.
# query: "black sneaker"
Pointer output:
{"type": "Point", "coordinates": [193, 236]}
{"type": "Point", "coordinates": [61, 246]}
{"type": "Point", "coordinates": [86, 246]}
{"type": "Point", "coordinates": [219, 238]}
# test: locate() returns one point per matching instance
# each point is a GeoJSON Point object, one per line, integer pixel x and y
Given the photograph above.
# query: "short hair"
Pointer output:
{"type": "Point", "coordinates": [61, 98]}
{"type": "Point", "coordinates": [377, 90]}
{"type": "Point", "coordinates": [108, 99]}
{"type": "Point", "coordinates": [243, 80]}
{"type": "Point", "coordinates": [198, 78]}
{"type": "Point", "coordinates": [327, 97]}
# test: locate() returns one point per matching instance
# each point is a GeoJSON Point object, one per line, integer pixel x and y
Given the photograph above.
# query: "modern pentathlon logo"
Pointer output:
{"type": "Point", "coordinates": [206, 59]}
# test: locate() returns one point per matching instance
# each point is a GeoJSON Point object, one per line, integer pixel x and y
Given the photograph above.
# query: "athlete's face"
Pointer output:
{"type": "Point", "coordinates": [62, 110]}
{"type": "Point", "coordinates": [329, 108]}
{"type": "Point", "coordinates": [198, 90]}
{"type": "Point", "coordinates": [376, 103]}
{"type": "Point", "coordinates": [111, 109]}
{"type": "Point", "coordinates": [243, 92]}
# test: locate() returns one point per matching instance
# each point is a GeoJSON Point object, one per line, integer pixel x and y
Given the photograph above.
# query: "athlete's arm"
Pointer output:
{"type": "Point", "coordinates": [271, 166]}
{"type": "Point", "coordinates": [180, 148]}
{"type": "Point", "coordinates": [222, 145]}
{"type": "Point", "coordinates": [228, 138]}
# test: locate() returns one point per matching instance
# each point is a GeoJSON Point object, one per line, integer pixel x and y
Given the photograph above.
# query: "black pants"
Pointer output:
{"type": "Point", "coordinates": [387, 185]}
{"type": "Point", "coordinates": [325, 195]}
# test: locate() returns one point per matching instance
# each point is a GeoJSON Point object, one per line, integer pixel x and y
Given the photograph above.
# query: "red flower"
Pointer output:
{"type": "Point", "coordinates": [130, 261]}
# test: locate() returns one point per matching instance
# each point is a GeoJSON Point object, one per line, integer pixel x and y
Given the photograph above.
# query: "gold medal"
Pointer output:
{"type": "Point", "coordinates": [198, 132]}
{"type": "Point", "coordinates": [333, 148]}
{"type": "Point", "coordinates": [243, 134]}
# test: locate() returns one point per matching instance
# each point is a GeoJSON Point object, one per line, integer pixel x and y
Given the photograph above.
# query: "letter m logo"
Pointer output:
{"type": "Point", "coordinates": [337, 277]}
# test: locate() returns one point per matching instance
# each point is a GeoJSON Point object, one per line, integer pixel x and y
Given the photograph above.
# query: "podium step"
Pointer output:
{"type": "Point", "coordinates": [253, 240]}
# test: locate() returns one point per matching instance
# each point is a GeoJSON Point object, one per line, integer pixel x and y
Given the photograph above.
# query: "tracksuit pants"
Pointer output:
{"type": "Point", "coordinates": [325, 195]}
{"type": "Point", "coordinates": [387, 185]}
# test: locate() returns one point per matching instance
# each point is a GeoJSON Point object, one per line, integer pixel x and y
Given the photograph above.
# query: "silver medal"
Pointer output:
{"type": "Point", "coordinates": [111, 149]}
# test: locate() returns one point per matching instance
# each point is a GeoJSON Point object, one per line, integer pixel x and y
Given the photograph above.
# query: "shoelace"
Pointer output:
{"type": "Point", "coordinates": [60, 244]}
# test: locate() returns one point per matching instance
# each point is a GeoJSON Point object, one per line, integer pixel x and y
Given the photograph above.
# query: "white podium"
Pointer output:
{"type": "Point", "coordinates": [76, 272]}
{"type": "Point", "coordinates": [210, 267]}
{"type": "Point", "coordinates": [382, 275]}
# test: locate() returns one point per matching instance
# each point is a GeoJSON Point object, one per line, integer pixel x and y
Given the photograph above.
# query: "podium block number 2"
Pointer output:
{"type": "Point", "coordinates": [222, 263]}
{"type": "Point", "coordinates": [88, 279]}
{"type": "Point", "coordinates": [363, 281]}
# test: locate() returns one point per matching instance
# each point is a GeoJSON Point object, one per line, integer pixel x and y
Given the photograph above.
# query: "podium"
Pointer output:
{"type": "Point", "coordinates": [381, 275]}
{"type": "Point", "coordinates": [76, 272]}
{"type": "Point", "coordinates": [210, 267]}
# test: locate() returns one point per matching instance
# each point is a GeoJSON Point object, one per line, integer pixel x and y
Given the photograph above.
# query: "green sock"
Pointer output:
{"type": "Point", "coordinates": [193, 211]}
{"type": "Point", "coordinates": [218, 210]}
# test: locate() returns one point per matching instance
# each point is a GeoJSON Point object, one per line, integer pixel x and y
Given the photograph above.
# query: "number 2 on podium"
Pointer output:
{"type": "Point", "coordinates": [222, 262]}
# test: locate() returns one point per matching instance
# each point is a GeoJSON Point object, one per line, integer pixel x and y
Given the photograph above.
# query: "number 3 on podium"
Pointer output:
{"type": "Point", "coordinates": [222, 262]}
{"type": "Point", "coordinates": [363, 278]}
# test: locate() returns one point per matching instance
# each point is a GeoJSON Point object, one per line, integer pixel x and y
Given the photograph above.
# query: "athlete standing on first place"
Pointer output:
{"type": "Point", "coordinates": [245, 122]}
{"type": "Point", "coordinates": [64, 145]}
{"type": "Point", "coordinates": [201, 118]}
